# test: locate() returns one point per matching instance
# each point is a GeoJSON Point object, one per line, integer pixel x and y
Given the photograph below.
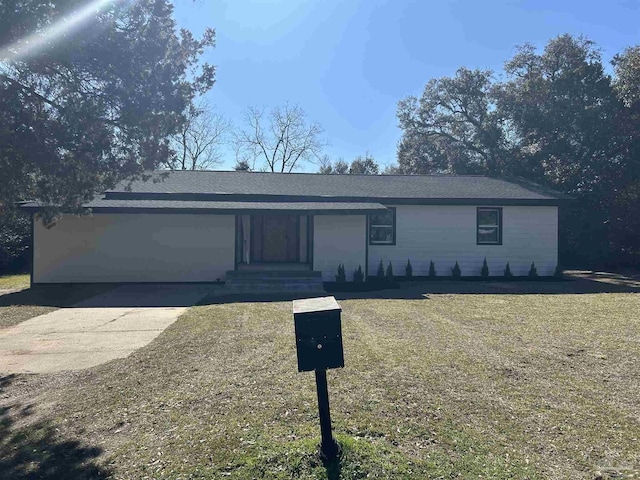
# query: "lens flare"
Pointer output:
{"type": "Point", "coordinates": [37, 41]}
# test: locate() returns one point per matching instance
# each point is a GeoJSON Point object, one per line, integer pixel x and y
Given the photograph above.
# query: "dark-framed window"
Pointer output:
{"type": "Point", "coordinates": [382, 227]}
{"type": "Point", "coordinates": [489, 226]}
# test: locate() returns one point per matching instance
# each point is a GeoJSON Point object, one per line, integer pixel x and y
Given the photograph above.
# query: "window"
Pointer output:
{"type": "Point", "coordinates": [489, 226]}
{"type": "Point", "coordinates": [382, 228]}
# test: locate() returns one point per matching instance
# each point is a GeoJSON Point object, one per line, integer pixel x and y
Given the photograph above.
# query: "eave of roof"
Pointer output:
{"type": "Point", "coordinates": [224, 207]}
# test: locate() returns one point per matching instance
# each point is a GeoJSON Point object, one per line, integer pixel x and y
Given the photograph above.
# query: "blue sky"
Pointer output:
{"type": "Point", "coordinates": [348, 62]}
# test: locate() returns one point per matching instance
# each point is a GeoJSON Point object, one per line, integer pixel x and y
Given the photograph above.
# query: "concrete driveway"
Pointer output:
{"type": "Point", "coordinates": [107, 326]}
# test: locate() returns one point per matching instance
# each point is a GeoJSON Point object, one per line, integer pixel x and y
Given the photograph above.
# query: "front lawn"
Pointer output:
{"type": "Point", "coordinates": [493, 386]}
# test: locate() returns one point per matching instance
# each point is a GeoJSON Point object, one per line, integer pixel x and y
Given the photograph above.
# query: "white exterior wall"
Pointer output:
{"type": "Point", "coordinates": [339, 239]}
{"type": "Point", "coordinates": [446, 234]}
{"type": "Point", "coordinates": [134, 248]}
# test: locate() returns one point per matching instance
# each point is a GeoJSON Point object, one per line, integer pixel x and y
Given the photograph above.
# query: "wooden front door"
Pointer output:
{"type": "Point", "coordinates": [275, 238]}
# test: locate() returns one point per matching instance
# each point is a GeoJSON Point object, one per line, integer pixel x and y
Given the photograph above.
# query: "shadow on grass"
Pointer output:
{"type": "Point", "coordinates": [66, 295]}
{"type": "Point", "coordinates": [216, 299]}
{"type": "Point", "coordinates": [574, 283]}
{"type": "Point", "coordinates": [108, 295]}
{"type": "Point", "coordinates": [52, 295]}
{"type": "Point", "coordinates": [333, 467]}
{"type": "Point", "coordinates": [35, 451]}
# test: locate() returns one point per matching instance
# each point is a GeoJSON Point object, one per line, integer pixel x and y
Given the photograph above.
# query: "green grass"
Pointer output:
{"type": "Point", "coordinates": [449, 386]}
{"type": "Point", "coordinates": [19, 306]}
{"type": "Point", "coordinates": [11, 282]}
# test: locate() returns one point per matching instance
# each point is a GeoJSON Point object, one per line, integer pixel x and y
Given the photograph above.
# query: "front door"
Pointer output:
{"type": "Point", "coordinates": [275, 238]}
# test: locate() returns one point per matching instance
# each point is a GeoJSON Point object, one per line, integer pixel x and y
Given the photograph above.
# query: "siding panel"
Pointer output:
{"type": "Point", "coordinates": [134, 248]}
{"type": "Point", "coordinates": [445, 234]}
{"type": "Point", "coordinates": [339, 239]}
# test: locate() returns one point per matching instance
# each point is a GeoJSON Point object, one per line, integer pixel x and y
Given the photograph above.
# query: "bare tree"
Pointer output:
{"type": "Point", "coordinates": [197, 144]}
{"type": "Point", "coordinates": [281, 140]}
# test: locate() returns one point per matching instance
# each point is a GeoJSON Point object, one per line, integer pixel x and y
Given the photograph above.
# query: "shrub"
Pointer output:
{"type": "Point", "coordinates": [408, 269]}
{"type": "Point", "coordinates": [533, 271]}
{"type": "Point", "coordinates": [381, 269]}
{"type": "Point", "coordinates": [432, 269]}
{"type": "Point", "coordinates": [507, 271]}
{"type": "Point", "coordinates": [341, 277]}
{"type": "Point", "coordinates": [358, 276]}
{"type": "Point", "coordinates": [455, 271]}
{"type": "Point", "coordinates": [389, 273]}
{"type": "Point", "coordinates": [558, 272]}
{"type": "Point", "coordinates": [484, 271]}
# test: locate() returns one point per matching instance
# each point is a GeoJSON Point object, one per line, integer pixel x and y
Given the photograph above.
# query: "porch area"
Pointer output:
{"type": "Point", "coordinates": [281, 241]}
{"type": "Point", "coordinates": [297, 249]}
{"type": "Point", "coordinates": [274, 255]}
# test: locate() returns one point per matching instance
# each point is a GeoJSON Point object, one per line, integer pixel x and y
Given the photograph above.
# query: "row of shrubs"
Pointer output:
{"type": "Point", "coordinates": [456, 272]}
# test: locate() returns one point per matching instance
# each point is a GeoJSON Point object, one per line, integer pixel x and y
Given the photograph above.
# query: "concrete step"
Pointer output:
{"type": "Point", "coordinates": [274, 281]}
{"type": "Point", "coordinates": [272, 288]}
{"type": "Point", "coordinates": [273, 274]}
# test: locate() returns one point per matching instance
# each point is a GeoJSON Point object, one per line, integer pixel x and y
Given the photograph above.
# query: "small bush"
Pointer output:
{"type": "Point", "coordinates": [455, 271]}
{"type": "Point", "coordinates": [484, 271]}
{"type": "Point", "coordinates": [558, 272]}
{"type": "Point", "coordinates": [408, 269]}
{"type": "Point", "coordinates": [341, 277]}
{"type": "Point", "coordinates": [358, 276]}
{"type": "Point", "coordinates": [381, 269]}
{"type": "Point", "coordinates": [507, 271]}
{"type": "Point", "coordinates": [533, 271]}
{"type": "Point", "coordinates": [389, 273]}
{"type": "Point", "coordinates": [432, 269]}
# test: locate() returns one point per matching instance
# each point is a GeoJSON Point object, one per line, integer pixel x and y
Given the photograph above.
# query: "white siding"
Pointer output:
{"type": "Point", "coordinates": [339, 239]}
{"type": "Point", "coordinates": [446, 234]}
{"type": "Point", "coordinates": [134, 248]}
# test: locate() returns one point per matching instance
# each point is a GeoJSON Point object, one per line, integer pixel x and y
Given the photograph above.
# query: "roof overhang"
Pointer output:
{"type": "Point", "coordinates": [225, 207]}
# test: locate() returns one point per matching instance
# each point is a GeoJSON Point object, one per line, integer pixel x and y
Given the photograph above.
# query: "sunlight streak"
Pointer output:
{"type": "Point", "coordinates": [31, 44]}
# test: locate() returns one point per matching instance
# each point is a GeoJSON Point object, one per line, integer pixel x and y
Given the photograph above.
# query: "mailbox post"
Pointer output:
{"type": "Point", "coordinates": [318, 329]}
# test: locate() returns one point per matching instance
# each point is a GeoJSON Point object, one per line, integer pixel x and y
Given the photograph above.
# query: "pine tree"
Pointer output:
{"type": "Point", "coordinates": [358, 276]}
{"type": "Point", "coordinates": [408, 269]}
{"type": "Point", "coordinates": [455, 271]}
{"type": "Point", "coordinates": [389, 273]}
{"type": "Point", "coordinates": [432, 269]}
{"type": "Point", "coordinates": [381, 269]}
{"type": "Point", "coordinates": [341, 277]}
{"type": "Point", "coordinates": [507, 271]}
{"type": "Point", "coordinates": [484, 271]}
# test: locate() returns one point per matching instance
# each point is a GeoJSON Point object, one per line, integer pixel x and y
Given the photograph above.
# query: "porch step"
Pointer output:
{"type": "Point", "coordinates": [273, 282]}
{"type": "Point", "coordinates": [273, 274]}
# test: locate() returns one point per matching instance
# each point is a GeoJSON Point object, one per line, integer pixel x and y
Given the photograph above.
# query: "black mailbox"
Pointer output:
{"type": "Point", "coordinates": [318, 333]}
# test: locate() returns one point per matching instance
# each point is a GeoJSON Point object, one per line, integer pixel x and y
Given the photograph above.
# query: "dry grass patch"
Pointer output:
{"type": "Point", "coordinates": [452, 386]}
{"type": "Point", "coordinates": [13, 282]}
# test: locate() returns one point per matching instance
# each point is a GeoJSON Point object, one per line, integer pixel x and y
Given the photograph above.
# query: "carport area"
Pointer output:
{"type": "Point", "coordinates": [105, 327]}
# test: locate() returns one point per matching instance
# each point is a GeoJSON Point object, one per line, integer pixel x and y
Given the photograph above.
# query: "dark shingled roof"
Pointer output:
{"type": "Point", "coordinates": [308, 185]}
{"type": "Point", "coordinates": [229, 192]}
